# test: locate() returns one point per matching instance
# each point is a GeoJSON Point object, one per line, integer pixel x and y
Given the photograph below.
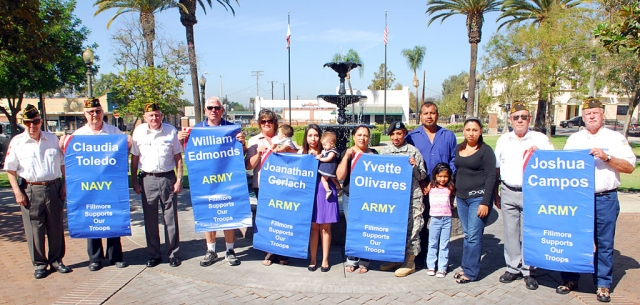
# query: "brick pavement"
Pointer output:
{"type": "Point", "coordinates": [253, 283]}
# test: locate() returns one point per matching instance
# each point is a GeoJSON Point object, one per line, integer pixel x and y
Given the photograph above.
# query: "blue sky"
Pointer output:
{"type": "Point", "coordinates": [254, 39]}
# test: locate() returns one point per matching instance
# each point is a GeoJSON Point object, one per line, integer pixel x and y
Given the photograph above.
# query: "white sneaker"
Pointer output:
{"type": "Point", "coordinates": [431, 272]}
{"type": "Point", "coordinates": [441, 274]}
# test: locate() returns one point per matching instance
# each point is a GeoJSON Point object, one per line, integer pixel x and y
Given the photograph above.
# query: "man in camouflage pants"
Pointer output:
{"type": "Point", "coordinates": [397, 132]}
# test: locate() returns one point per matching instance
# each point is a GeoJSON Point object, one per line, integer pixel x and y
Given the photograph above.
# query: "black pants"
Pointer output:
{"type": "Point", "coordinates": [421, 258]}
{"type": "Point", "coordinates": [96, 251]}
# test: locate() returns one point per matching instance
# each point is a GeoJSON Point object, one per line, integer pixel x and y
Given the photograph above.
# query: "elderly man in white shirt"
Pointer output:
{"type": "Point", "coordinates": [156, 151]}
{"type": "Point", "coordinates": [510, 150]}
{"type": "Point", "coordinates": [34, 165]}
{"type": "Point", "coordinates": [613, 155]}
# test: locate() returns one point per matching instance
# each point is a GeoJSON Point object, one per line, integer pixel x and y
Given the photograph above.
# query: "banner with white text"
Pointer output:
{"type": "Point", "coordinates": [96, 176]}
{"type": "Point", "coordinates": [558, 191]}
{"type": "Point", "coordinates": [379, 200]}
{"type": "Point", "coordinates": [217, 179]}
{"type": "Point", "coordinates": [285, 204]}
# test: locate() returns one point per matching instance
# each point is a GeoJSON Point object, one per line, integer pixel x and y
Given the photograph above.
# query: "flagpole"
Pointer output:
{"type": "Point", "coordinates": [386, 31]}
{"type": "Point", "coordinates": [289, 54]}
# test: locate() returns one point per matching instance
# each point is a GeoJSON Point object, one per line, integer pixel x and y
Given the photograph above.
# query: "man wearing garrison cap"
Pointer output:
{"type": "Point", "coordinates": [510, 155]}
{"type": "Point", "coordinates": [34, 174]}
{"type": "Point", "coordinates": [94, 113]}
{"type": "Point", "coordinates": [156, 151]}
{"type": "Point", "coordinates": [613, 156]}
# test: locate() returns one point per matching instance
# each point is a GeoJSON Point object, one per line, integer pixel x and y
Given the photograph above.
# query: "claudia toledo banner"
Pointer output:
{"type": "Point", "coordinates": [217, 179]}
{"type": "Point", "coordinates": [97, 186]}
{"type": "Point", "coordinates": [379, 199]}
{"type": "Point", "coordinates": [285, 204]}
{"type": "Point", "coordinates": [558, 190]}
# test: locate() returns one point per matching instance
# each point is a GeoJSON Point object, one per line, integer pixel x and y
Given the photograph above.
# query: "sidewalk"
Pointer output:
{"type": "Point", "coordinates": [253, 283]}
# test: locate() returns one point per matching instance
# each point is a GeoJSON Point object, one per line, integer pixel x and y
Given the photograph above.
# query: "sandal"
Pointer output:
{"type": "Point", "coordinates": [567, 287]}
{"type": "Point", "coordinates": [462, 279]}
{"type": "Point", "coordinates": [363, 269]}
{"type": "Point", "coordinates": [458, 275]}
{"type": "Point", "coordinates": [350, 268]}
{"type": "Point", "coordinates": [603, 294]}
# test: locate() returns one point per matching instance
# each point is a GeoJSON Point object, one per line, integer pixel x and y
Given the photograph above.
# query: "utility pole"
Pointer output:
{"type": "Point", "coordinates": [257, 74]}
{"type": "Point", "coordinates": [272, 82]}
{"type": "Point", "coordinates": [284, 94]}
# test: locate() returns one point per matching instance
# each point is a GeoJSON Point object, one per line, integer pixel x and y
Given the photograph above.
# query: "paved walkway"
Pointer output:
{"type": "Point", "coordinates": [253, 283]}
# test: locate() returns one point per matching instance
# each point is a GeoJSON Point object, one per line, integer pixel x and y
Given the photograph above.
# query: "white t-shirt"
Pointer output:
{"type": "Point", "coordinates": [33, 160]}
{"type": "Point", "coordinates": [510, 152]}
{"type": "Point", "coordinates": [156, 148]}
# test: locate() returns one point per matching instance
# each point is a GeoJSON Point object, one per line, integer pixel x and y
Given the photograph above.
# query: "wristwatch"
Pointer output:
{"type": "Point", "coordinates": [608, 158]}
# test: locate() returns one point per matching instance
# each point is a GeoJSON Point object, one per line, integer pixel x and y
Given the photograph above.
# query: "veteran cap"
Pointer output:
{"type": "Point", "coordinates": [151, 107]}
{"type": "Point", "coordinates": [30, 112]}
{"type": "Point", "coordinates": [592, 102]}
{"type": "Point", "coordinates": [92, 103]}
{"type": "Point", "coordinates": [395, 126]}
{"type": "Point", "coordinates": [518, 106]}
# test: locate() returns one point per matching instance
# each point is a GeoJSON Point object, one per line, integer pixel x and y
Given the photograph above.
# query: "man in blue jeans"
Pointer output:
{"type": "Point", "coordinates": [613, 156]}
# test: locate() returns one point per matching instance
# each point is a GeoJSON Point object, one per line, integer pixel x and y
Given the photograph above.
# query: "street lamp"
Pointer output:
{"type": "Point", "coordinates": [88, 57]}
{"type": "Point", "coordinates": [203, 83]}
{"type": "Point", "coordinates": [592, 80]}
{"type": "Point", "coordinates": [416, 83]}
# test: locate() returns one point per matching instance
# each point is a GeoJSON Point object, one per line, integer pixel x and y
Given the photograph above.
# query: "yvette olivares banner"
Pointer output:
{"type": "Point", "coordinates": [285, 204]}
{"type": "Point", "coordinates": [217, 179]}
{"type": "Point", "coordinates": [379, 199]}
{"type": "Point", "coordinates": [558, 191]}
{"type": "Point", "coordinates": [96, 169]}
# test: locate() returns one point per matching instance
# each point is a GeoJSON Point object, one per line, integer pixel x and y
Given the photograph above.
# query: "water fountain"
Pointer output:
{"type": "Point", "coordinates": [342, 100]}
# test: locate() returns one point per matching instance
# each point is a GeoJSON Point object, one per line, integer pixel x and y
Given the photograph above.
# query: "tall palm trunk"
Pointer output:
{"type": "Point", "coordinates": [188, 20]}
{"type": "Point", "coordinates": [474, 30]}
{"type": "Point", "coordinates": [148, 22]}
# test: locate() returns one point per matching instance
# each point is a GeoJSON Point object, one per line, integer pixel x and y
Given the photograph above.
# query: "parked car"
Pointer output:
{"type": "Point", "coordinates": [575, 121]}
{"type": "Point", "coordinates": [5, 138]}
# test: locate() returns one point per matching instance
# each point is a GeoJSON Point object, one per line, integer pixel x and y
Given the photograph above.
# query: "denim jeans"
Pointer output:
{"type": "Point", "coordinates": [439, 233]}
{"type": "Point", "coordinates": [473, 229]}
{"type": "Point", "coordinates": [607, 208]}
{"type": "Point", "coordinates": [352, 260]}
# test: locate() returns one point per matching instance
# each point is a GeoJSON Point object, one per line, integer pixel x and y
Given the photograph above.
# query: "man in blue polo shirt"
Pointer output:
{"type": "Point", "coordinates": [436, 144]}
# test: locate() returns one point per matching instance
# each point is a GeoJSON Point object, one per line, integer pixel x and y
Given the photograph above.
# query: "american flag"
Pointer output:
{"type": "Point", "coordinates": [288, 36]}
{"type": "Point", "coordinates": [386, 34]}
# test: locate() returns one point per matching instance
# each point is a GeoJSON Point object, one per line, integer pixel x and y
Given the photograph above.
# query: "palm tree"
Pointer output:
{"type": "Point", "coordinates": [147, 10]}
{"type": "Point", "coordinates": [474, 10]}
{"type": "Point", "coordinates": [531, 10]}
{"type": "Point", "coordinates": [188, 19]}
{"type": "Point", "coordinates": [351, 56]}
{"type": "Point", "coordinates": [415, 57]}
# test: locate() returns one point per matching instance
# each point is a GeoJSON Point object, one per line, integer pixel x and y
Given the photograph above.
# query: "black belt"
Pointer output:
{"type": "Point", "coordinates": [515, 189]}
{"type": "Point", "coordinates": [144, 174]}
{"type": "Point", "coordinates": [606, 192]}
{"type": "Point", "coordinates": [42, 182]}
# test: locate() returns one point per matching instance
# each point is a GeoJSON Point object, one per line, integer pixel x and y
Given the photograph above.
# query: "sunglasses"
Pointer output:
{"type": "Point", "coordinates": [266, 121]}
{"type": "Point", "coordinates": [217, 108]}
{"type": "Point", "coordinates": [33, 122]}
{"type": "Point", "coordinates": [523, 116]}
{"type": "Point", "coordinates": [94, 112]}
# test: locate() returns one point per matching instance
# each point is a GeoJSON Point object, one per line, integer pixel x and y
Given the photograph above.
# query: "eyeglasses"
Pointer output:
{"type": "Point", "coordinates": [216, 108]}
{"type": "Point", "coordinates": [33, 122]}
{"type": "Point", "coordinates": [266, 121]}
{"type": "Point", "coordinates": [523, 116]}
{"type": "Point", "coordinates": [94, 112]}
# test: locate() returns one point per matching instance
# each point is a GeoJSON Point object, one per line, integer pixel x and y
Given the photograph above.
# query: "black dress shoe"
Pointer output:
{"type": "Point", "coordinates": [95, 266]}
{"type": "Point", "coordinates": [509, 277]}
{"type": "Point", "coordinates": [61, 268]}
{"type": "Point", "coordinates": [174, 262]}
{"type": "Point", "coordinates": [325, 269]}
{"type": "Point", "coordinates": [40, 273]}
{"type": "Point", "coordinates": [152, 262]}
{"type": "Point", "coordinates": [121, 264]}
{"type": "Point", "coordinates": [531, 282]}
{"type": "Point", "coordinates": [312, 268]}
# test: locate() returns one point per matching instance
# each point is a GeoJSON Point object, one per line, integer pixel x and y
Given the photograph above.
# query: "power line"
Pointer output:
{"type": "Point", "coordinates": [257, 74]}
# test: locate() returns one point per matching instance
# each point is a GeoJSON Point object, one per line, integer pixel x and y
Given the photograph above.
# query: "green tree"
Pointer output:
{"type": "Point", "coordinates": [351, 56]}
{"type": "Point", "coordinates": [415, 57]}
{"type": "Point", "coordinates": [536, 11]}
{"type": "Point", "coordinates": [135, 88]}
{"type": "Point", "coordinates": [474, 10]}
{"type": "Point", "coordinates": [104, 84]}
{"type": "Point", "coordinates": [147, 10]}
{"type": "Point", "coordinates": [452, 87]}
{"type": "Point", "coordinates": [19, 73]}
{"type": "Point", "coordinates": [377, 83]}
{"type": "Point", "coordinates": [188, 20]}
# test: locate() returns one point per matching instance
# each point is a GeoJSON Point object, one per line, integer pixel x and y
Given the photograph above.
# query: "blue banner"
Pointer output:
{"type": "Point", "coordinates": [96, 177]}
{"type": "Point", "coordinates": [379, 200]}
{"type": "Point", "coordinates": [285, 204]}
{"type": "Point", "coordinates": [558, 190]}
{"type": "Point", "coordinates": [217, 179]}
